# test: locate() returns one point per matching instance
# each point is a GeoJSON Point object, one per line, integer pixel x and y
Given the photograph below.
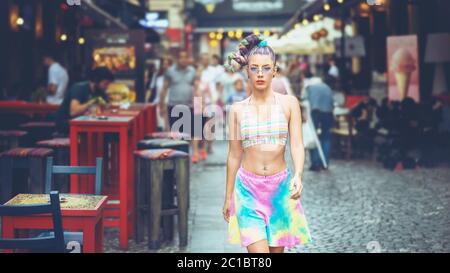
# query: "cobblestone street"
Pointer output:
{"type": "Point", "coordinates": [356, 206]}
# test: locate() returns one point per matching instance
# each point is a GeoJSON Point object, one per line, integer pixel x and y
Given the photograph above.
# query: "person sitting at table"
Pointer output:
{"type": "Point", "coordinates": [82, 96]}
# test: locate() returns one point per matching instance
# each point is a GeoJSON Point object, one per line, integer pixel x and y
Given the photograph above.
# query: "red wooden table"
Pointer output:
{"type": "Point", "coordinates": [120, 204]}
{"type": "Point", "coordinates": [79, 213]}
{"type": "Point", "coordinates": [149, 109]}
{"type": "Point", "coordinates": [27, 108]}
{"type": "Point", "coordinates": [138, 114]}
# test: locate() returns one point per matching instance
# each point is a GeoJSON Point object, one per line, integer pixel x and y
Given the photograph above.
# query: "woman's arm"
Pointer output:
{"type": "Point", "coordinates": [234, 157]}
{"type": "Point", "coordinates": [297, 148]}
{"type": "Point", "coordinates": [234, 151]}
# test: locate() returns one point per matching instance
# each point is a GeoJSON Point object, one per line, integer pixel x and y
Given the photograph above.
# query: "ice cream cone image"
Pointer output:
{"type": "Point", "coordinates": [403, 65]}
{"type": "Point", "coordinates": [402, 79]}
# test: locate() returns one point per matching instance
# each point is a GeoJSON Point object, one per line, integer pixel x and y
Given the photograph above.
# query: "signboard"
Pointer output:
{"type": "Point", "coordinates": [156, 20]}
{"type": "Point", "coordinates": [403, 67]}
{"type": "Point", "coordinates": [122, 52]}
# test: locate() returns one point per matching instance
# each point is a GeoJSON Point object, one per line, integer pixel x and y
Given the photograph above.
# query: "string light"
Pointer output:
{"type": "Point", "coordinates": [266, 33]}
{"type": "Point", "coordinates": [19, 21]}
{"type": "Point", "coordinates": [63, 37]}
{"type": "Point", "coordinates": [340, 1]}
{"type": "Point", "coordinates": [305, 22]}
{"type": "Point", "coordinates": [239, 33]}
{"type": "Point", "coordinates": [81, 41]}
{"type": "Point", "coordinates": [212, 35]}
{"type": "Point", "coordinates": [326, 6]}
{"type": "Point", "coordinates": [219, 36]}
{"type": "Point", "coordinates": [297, 26]}
{"type": "Point", "coordinates": [231, 34]}
{"type": "Point", "coordinates": [316, 17]}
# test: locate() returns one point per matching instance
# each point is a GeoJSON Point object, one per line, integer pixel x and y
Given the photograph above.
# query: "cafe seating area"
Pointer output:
{"type": "Point", "coordinates": [113, 170]}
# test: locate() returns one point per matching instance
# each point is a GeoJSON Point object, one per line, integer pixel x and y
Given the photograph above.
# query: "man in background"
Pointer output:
{"type": "Point", "coordinates": [320, 97]}
{"type": "Point", "coordinates": [58, 79]}
{"type": "Point", "coordinates": [82, 96]}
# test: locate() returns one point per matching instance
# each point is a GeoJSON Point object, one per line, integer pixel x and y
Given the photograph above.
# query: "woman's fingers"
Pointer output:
{"type": "Point", "coordinates": [297, 191]}
{"type": "Point", "coordinates": [226, 215]}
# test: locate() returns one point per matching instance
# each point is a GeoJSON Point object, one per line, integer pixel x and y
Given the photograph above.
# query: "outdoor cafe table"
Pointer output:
{"type": "Point", "coordinates": [150, 118]}
{"type": "Point", "coordinates": [79, 213]}
{"type": "Point", "coordinates": [121, 204]}
{"type": "Point", "coordinates": [138, 114]}
{"type": "Point", "coordinates": [27, 108]}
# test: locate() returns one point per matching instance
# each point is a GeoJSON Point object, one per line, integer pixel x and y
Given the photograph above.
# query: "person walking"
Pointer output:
{"type": "Point", "coordinates": [262, 197]}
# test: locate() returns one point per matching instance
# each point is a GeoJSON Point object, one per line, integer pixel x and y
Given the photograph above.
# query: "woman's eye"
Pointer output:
{"type": "Point", "coordinates": [254, 69]}
{"type": "Point", "coordinates": [267, 69]}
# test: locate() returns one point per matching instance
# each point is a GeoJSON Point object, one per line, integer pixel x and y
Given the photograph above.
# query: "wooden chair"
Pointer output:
{"type": "Point", "coordinates": [61, 154]}
{"type": "Point", "coordinates": [54, 169]}
{"type": "Point", "coordinates": [13, 178]}
{"type": "Point", "coordinates": [11, 139]}
{"type": "Point", "coordinates": [149, 184]}
{"type": "Point", "coordinates": [344, 132]}
{"type": "Point", "coordinates": [52, 243]}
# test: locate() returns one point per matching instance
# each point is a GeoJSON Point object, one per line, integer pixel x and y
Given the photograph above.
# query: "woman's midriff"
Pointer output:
{"type": "Point", "coordinates": [265, 159]}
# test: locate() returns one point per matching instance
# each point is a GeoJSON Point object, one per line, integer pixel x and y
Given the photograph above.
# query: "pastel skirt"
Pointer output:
{"type": "Point", "coordinates": [261, 209]}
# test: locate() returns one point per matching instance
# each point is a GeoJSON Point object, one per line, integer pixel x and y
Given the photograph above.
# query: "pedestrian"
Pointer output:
{"type": "Point", "coordinates": [320, 97]}
{"type": "Point", "coordinates": [281, 83]}
{"type": "Point", "coordinates": [262, 199]}
{"type": "Point", "coordinates": [179, 84]}
{"type": "Point", "coordinates": [163, 119]}
{"type": "Point", "coordinates": [58, 79]}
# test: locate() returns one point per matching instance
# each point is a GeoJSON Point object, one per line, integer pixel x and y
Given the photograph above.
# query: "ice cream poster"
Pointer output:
{"type": "Point", "coordinates": [403, 67]}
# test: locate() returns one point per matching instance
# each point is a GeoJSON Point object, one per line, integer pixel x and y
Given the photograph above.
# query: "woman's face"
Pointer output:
{"type": "Point", "coordinates": [260, 71]}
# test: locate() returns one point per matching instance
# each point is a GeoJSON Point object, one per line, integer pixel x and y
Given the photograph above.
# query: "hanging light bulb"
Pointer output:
{"type": "Point", "coordinates": [231, 34]}
{"type": "Point", "coordinates": [19, 21]}
{"type": "Point", "coordinates": [326, 6]}
{"type": "Point", "coordinates": [266, 33]}
{"type": "Point", "coordinates": [219, 36]}
{"type": "Point", "coordinates": [81, 41]}
{"type": "Point", "coordinates": [316, 17]}
{"type": "Point", "coordinates": [212, 35]}
{"type": "Point", "coordinates": [340, 1]}
{"type": "Point", "coordinates": [297, 26]}
{"type": "Point", "coordinates": [63, 37]}
{"type": "Point", "coordinates": [305, 22]}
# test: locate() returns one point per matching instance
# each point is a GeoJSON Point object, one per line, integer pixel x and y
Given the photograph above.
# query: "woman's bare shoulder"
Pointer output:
{"type": "Point", "coordinates": [239, 104]}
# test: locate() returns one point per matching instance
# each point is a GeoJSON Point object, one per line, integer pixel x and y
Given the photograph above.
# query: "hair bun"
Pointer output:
{"type": "Point", "coordinates": [239, 59]}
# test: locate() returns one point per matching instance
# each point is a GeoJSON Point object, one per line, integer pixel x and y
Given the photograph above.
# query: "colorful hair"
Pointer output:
{"type": "Point", "coordinates": [249, 46]}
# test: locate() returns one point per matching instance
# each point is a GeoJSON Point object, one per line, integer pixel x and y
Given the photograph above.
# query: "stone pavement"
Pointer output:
{"type": "Point", "coordinates": [356, 206]}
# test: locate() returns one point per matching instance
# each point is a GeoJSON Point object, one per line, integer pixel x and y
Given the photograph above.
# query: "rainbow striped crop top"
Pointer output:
{"type": "Point", "coordinates": [272, 131]}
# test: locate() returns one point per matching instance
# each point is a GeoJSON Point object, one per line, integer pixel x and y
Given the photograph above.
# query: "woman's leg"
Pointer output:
{"type": "Point", "coordinates": [278, 249]}
{"type": "Point", "coordinates": [260, 246]}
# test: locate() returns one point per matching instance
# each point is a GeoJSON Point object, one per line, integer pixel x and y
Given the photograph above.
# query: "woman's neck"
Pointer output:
{"type": "Point", "coordinates": [262, 96]}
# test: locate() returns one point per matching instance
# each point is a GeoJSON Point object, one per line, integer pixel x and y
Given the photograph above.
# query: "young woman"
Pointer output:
{"type": "Point", "coordinates": [262, 205]}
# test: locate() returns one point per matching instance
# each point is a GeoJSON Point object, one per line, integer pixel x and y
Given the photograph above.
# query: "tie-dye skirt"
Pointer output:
{"type": "Point", "coordinates": [261, 208]}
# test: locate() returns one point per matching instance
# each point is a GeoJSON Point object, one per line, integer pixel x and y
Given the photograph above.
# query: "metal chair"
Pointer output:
{"type": "Point", "coordinates": [52, 243]}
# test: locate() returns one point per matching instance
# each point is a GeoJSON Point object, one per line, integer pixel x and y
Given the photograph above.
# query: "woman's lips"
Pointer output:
{"type": "Point", "coordinates": [260, 82]}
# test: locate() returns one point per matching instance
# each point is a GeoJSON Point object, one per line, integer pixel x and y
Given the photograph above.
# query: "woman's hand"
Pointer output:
{"type": "Point", "coordinates": [296, 187]}
{"type": "Point", "coordinates": [226, 210]}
